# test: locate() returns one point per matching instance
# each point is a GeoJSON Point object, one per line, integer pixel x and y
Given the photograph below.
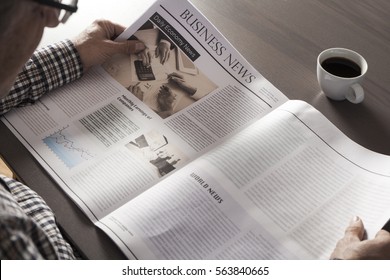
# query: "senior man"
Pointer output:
{"type": "Point", "coordinates": [28, 229]}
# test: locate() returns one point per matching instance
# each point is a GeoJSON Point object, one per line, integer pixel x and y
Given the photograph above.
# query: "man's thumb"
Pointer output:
{"type": "Point", "coordinates": [355, 228]}
{"type": "Point", "coordinates": [131, 46]}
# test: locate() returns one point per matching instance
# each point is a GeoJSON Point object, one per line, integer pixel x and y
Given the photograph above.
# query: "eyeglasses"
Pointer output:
{"type": "Point", "coordinates": [67, 7]}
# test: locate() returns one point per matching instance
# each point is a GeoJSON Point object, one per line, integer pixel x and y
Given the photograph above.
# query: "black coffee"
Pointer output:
{"type": "Point", "coordinates": [341, 67]}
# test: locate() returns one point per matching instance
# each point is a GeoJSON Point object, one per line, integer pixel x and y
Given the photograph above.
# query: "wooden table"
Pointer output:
{"type": "Point", "coordinates": [281, 39]}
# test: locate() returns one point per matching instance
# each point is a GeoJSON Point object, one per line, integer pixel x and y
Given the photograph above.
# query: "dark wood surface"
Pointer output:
{"type": "Point", "coordinates": [281, 39]}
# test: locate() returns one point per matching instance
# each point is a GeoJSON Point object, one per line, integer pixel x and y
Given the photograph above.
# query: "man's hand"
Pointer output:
{"type": "Point", "coordinates": [351, 246]}
{"type": "Point", "coordinates": [95, 44]}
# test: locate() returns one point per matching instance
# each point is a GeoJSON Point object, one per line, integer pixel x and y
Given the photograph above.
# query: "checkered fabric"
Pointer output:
{"type": "Point", "coordinates": [28, 229]}
{"type": "Point", "coordinates": [49, 68]}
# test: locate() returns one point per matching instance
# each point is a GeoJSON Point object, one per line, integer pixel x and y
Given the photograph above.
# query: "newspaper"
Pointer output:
{"type": "Point", "coordinates": [200, 156]}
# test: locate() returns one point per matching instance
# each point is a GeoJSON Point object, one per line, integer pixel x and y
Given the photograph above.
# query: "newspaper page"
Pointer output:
{"type": "Point", "coordinates": [123, 127]}
{"type": "Point", "coordinates": [289, 197]}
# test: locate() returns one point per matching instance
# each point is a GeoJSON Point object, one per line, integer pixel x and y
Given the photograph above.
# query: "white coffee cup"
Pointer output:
{"type": "Point", "coordinates": [340, 73]}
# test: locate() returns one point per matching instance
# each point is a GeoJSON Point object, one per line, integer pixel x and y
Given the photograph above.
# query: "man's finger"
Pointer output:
{"type": "Point", "coordinates": [383, 234]}
{"type": "Point", "coordinates": [355, 229]}
{"type": "Point", "coordinates": [126, 47]}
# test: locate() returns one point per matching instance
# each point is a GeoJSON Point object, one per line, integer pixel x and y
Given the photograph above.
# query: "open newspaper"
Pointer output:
{"type": "Point", "coordinates": [201, 157]}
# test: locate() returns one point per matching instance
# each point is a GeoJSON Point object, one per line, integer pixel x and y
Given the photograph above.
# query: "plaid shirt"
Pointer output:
{"type": "Point", "coordinates": [28, 228]}
{"type": "Point", "coordinates": [49, 68]}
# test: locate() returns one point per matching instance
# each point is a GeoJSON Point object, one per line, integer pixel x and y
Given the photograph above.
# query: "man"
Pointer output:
{"type": "Point", "coordinates": [351, 246]}
{"type": "Point", "coordinates": [27, 225]}
{"type": "Point", "coordinates": [22, 23]}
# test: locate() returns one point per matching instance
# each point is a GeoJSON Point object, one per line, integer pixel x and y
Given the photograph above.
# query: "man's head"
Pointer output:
{"type": "Point", "coordinates": [21, 27]}
{"type": "Point", "coordinates": [6, 7]}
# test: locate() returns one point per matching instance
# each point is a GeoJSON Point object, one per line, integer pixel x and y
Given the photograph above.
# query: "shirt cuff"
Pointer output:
{"type": "Point", "coordinates": [60, 64]}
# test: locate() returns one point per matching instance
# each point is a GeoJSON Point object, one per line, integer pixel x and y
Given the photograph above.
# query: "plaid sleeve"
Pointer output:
{"type": "Point", "coordinates": [28, 229]}
{"type": "Point", "coordinates": [48, 68]}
